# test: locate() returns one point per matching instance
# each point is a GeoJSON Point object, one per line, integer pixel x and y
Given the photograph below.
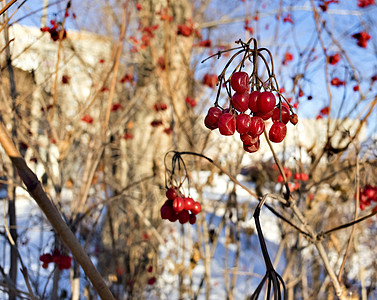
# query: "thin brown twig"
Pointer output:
{"type": "Point", "coordinates": [357, 179]}
{"type": "Point", "coordinates": [6, 7]}
{"type": "Point", "coordinates": [39, 195]}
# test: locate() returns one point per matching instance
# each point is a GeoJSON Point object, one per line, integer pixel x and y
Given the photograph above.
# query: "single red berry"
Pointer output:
{"type": "Point", "coordinates": [253, 99]}
{"type": "Point", "coordinates": [166, 211]}
{"type": "Point", "coordinates": [294, 119]}
{"type": "Point", "coordinates": [248, 139]}
{"type": "Point", "coordinates": [285, 115]}
{"type": "Point", "coordinates": [280, 178]}
{"type": "Point", "coordinates": [304, 177]}
{"type": "Point", "coordinates": [183, 216]}
{"type": "Point", "coordinates": [227, 124]}
{"type": "Point", "coordinates": [171, 193]}
{"type": "Point", "coordinates": [45, 265]}
{"type": "Point", "coordinates": [212, 118]}
{"type": "Point", "coordinates": [192, 219]}
{"type": "Point", "coordinates": [240, 101]}
{"type": "Point", "coordinates": [243, 123]}
{"type": "Point", "coordinates": [264, 116]}
{"type": "Point", "coordinates": [178, 204]}
{"type": "Point", "coordinates": [297, 176]}
{"type": "Point", "coordinates": [256, 126]}
{"type": "Point", "coordinates": [239, 81]}
{"type": "Point", "coordinates": [266, 102]}
{"type": "Point", "coordinates": [197, 208]}
{"type": "Point", "coordinates": [173, 217]}
{"type": "Point", "coordinates": [277, 132]}
{"type": "Point", "coordinates": [252, 148]}
{"type": "Point", "coordinates": [152, 280]}
{"type": "Point", "coordinates": [189, 203]}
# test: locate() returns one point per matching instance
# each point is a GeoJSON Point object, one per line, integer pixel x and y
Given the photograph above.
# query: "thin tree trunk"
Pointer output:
{"type": "Point", "coordinates": [12, 189]}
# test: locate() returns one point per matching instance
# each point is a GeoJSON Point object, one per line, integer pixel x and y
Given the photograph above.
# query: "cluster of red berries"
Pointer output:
{"type": "Point", "coordinates": [368, 194]}
{"type": "Point", "coordinates": [61, 260]}
{"type": "Point", "coordinates": [262, 107]}
{"type": "Point", "coordinates": [55, 30]}
{"type": "Point", "coordinates": [178, 207]}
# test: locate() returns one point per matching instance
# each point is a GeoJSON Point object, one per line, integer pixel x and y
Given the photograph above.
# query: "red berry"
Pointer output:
{"type": "Point", "coordinates": [227, 124]}
{"type": "Point", "coordinates": [256, 126]}
{"type": "Point", "coordinates": [239, 81]}
{"type": "Point", "coordinates": [297, 176]}
{"type": "Point", "coordinates": [253, 99]}
{"type": "Point", "coordinates": [266, 102]}
{"type": "Point", "coordinates": [243, 123]}
{"type": "Point", "coordinates": [173, 217]}
{"type": "Point", "coordinates": [183, 216]}
{"type": "Point", "coordinates": [285, 115]}
{"type": "Point", "coordinates": [192, 219]}
{"type": "Point", "coordinates": [189, 203]}
{"type": "Point", "coordinates": [197, 208]}
{"type": "Point", "coordinates": [240, 101]}
{"type": "Point", "coordinates": [45, 265]}
{"type": "Point", "coordinates": [166, 212]}
{"type": "Point", "coordinates": [304, 176]}
{"type": "Point", "coordinates": [277, 132]}
{"type": "Point", "coordinates": [248, 139]}
{"type": "Point", "coordinates": [171, 194]}
{"type": "Point", "coordinates": [280, 178]}
{"type": "Point", "coordinates": [212, 117]}
{"type": "Point", "coordinates": [252, 148]}
{"type": "Point", "coordinates": [178, 204]}
{"type": "Point", "coordinates": [264, 116]}
{"type": "Point", "coordinates": [294, 119]}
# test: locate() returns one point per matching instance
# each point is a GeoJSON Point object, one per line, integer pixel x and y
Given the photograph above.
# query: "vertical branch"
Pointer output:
{"type": "Point", "coordinates": [357, 179]}
{"type": "Point", "coordinates": [12, 188]}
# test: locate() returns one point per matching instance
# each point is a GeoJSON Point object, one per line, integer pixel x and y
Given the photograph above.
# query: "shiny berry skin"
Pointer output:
{"type": "Point", "coordinates": [192, 219]}
{"type": "Point", "coordinates": [251, 148]}
{"type": "Point", "coordinates": [197, 208]}
{"type": "Point", "coordinates": [212, 118]}
{"type": "Point", "coordinates": [227, 124]}
{"type": "Point", "coordinates": [189, 203]}
{"type": "Point", "coordinates": [266, 102]}
{"type": "Point", "coordinates": [277, 132]}
{"type": "Point", "coordinates": [243, 123]}
{"type": "Point", "coordinates": [253, 98]}
{"type": "Point", "coordinates": [264, 116]}
{"type": "Point", "coordinates": [294, 119]}
{"type": "Point", "coordinates": [171, 194]}
{"type": "Point", "coordinates": [248, 139]}
{"type": "Point", "coordinates": [240, 101]}
{"type": "Point", "coordinates": [178, 204]}
{"type": "Point", "coordinates": [285, 115]}
{"type": "Point", "coordinates": [239, 81]}
{"type": "Point", "coordinates": [183, 216]}
{"type": "Point", "coordinates": [256, 126]}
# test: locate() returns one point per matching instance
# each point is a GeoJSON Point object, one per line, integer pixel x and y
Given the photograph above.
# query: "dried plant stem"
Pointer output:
{"type": "Point", "coordinates": [6, 7]}
{"type": "Point", "coordinates": [316, 242]}
{"type": "Point", "coordinates": [353, 227]}
{"type": "Point", "coordinates": [35, 189]}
